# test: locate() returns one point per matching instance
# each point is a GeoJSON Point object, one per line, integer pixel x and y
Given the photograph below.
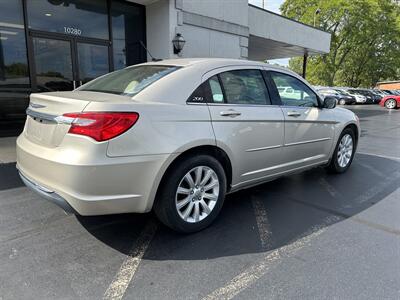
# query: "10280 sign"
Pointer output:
{"type": "Point", "coordinates": [72, 30]}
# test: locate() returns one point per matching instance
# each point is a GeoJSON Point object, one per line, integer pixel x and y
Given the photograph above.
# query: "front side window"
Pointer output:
{"type": "Point", "coordinates": [129, 81]}
{"type": "Point", "coordinates": [293, 92]}
{"type": "Point", "coordinates": [245, 87]}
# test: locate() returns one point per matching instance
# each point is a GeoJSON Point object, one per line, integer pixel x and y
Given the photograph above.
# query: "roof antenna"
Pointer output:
{"type": "Point", "coordinates": [148, 52]}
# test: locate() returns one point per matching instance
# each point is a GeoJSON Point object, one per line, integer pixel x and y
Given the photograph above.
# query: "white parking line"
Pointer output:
{"type": "Point", "coordinates": [383, 156]}
{"type": "Point", "coordinates": [120, 283]}
{"type": "Point", "coordinates": [264, 229]}
{"type": "Point", "coordinates": [330, 188]}
{"type": "Point", "coordinates": [253, 273]}
{"type": "Point", "coordinates": [373, 191]}
{"type": "Point", "coordinates": [372, 169]}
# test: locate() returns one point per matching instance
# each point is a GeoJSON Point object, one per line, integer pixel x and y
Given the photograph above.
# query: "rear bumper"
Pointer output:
{"type": "Point", "coordinates": [48, 194]}
{"type": "Point", "coordinates": [91, 184]}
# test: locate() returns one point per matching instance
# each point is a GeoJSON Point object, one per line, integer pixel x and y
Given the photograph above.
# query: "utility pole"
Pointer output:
{"type": "Point", "coordinates": [317, 11]}
{"type": "Point", "coordinates": [305, 64]}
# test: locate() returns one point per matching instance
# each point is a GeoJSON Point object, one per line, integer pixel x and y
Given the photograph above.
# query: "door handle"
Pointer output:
{"type": "Point", "coordinates": [294, 114]}
{"type": "Point", "coordinates": [230, 113]}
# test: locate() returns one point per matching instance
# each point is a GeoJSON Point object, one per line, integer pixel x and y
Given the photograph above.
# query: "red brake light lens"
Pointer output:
{"type": "Point", "coordinates": [101, 126]}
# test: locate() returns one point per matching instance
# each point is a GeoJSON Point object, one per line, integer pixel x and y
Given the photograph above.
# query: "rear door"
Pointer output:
{"type": "Point", "coordinates": [246, 123]}
{"type": "Point", "coordinates": [309, 129]}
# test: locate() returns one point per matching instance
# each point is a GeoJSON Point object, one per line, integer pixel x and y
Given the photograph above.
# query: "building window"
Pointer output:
{"type": "Point", "coordinates": [14, 74]}
{"type": "Point", "coordinates": [128, 30]}
{"type": "Point", "coordinates": [87, 18]}
{"type": "Point", "coordinates": [13, 57]}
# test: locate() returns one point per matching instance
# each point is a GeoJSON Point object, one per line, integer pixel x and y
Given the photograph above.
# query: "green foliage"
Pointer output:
{"type": "Point", "coordinates": [365, 40]}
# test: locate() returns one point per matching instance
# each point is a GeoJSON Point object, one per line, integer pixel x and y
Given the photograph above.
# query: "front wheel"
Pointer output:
{"type": "Point", "coordinates": [192, 194]}
{"type": "Point", "coordinates": [342, 102]}
{"type": "Point", "coordinates": [390, 104]}
{"type": "Point", "coordinates": [344, 152]}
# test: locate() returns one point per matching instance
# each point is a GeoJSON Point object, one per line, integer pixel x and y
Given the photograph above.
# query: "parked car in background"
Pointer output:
{"type": "Point", "coordinates": [360, 99]}
{"type": "Point", "coordinates": [370, 97]}
{"type": "Point", "coordinates": [379, 92]}
{"type": "Point", "coordinates": [341, 98]}
{"type": "Point", "coordinates": [175, 136]}
{"type": "Point", "coordinates": [390, 101]}
{"type": "Point", "coordinates": [376, 96]}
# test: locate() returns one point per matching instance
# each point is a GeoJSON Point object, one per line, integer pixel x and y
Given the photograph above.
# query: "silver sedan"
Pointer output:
{"type": "Point", "coordinates": [176, 136]}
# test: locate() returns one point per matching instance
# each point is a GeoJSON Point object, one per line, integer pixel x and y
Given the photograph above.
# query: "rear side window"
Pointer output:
{"type": "Point", "coordinates": [129, 81]}
{"type": "Point", "coordinates": [244, 87]}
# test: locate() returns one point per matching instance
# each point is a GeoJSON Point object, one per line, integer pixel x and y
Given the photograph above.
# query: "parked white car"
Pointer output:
{"type": "Point", "coordinates": [176, 136]}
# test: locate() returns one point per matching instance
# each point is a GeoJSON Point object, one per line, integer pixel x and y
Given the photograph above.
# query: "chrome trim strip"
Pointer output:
{"type": "Point", "coordinates": [284, 165]}
{"type": "Point", "coordinates": [307, 142]}
{"type": "Point", "coordinates": [48, 194]}
{"type": "Point", "coordinates": [241, 105]}
{"type": "Point", "coordinates": [49, 117]}
{"type": "Point", "coordinates": [36, 105]}
{"type": "Point", "coordinates": [263, 148]}
{"type": "Point", "coordinates": [237, 186]}
{"type": "Point", "coordinates": [310, 121]}
{"type": "Point", "coordinates": [40, 115]}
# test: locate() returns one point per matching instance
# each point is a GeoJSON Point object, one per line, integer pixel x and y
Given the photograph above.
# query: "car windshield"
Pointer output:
{"type": "Point", "coordinates": [341, 92]}
{"type": "Point", "coordinates": [129, 81]}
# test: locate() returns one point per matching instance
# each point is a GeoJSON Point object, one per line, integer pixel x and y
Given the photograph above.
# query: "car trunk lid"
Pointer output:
{"type": "Point", "coordinates": [45, 124]}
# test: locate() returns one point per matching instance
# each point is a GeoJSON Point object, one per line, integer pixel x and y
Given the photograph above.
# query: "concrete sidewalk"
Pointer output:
{"type": "Point", "coordinates": [7, 150]}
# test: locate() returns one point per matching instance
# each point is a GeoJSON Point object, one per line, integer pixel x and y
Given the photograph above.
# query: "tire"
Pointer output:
{"type": "Point", "coordinates": [189, 197]}
{"type": "Point", "coordinates": [342, 102]}
{"type": "Point", "coordinates": [390, 103]}
{"type": "Point", "coordinates": [337, 163]}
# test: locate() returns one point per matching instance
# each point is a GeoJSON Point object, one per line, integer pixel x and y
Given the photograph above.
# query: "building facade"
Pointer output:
{"type": "Point", "coordinates": [388, 85]}
{"type": "Point", "coordinates": [58, 45]}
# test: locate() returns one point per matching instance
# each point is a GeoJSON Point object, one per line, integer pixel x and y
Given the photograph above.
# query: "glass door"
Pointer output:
{"type": "Point", "coordinates": [53, 60]}
{"type": "Point", "coordinates": [63, 63]}
{"type": "Point", "coordinates": [92, 61]}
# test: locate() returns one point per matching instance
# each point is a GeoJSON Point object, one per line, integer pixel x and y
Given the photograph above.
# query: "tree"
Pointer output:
{"type": "Point", "coordinates": [365, 40]}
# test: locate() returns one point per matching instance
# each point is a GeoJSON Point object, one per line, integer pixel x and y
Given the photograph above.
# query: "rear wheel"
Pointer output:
{"type": "Point", "coordinates": [342, 102]}
{"type": "Point", "coordinates": [344, 152]}
{"type": "Point", "coordinates": [390, 103]}
{"type": "Point", "coordinates": [192, 194]}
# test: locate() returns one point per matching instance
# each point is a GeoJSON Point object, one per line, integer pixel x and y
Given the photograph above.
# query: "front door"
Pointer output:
{"type": "Point", "coordinates": [309, 129]}
{"type": "Point", "coordinates": [246, 124]}
{"type": "Point", "coordinates": [64, 63]}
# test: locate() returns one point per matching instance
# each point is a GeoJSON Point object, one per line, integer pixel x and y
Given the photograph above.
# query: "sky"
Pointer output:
{"type": "Point", "coordinates": [272, 5]}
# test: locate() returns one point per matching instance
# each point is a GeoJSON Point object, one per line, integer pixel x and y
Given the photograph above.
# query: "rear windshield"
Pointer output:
{"type": "Point", "coordinates": [129, 81]}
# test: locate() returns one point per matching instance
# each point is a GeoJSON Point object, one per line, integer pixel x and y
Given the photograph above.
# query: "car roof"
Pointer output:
{"type": "Point", "coordinates": [213, 63]}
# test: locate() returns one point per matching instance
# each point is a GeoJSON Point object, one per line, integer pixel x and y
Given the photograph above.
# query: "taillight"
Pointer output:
{"type": "Point", "coordinates": [101, 126]}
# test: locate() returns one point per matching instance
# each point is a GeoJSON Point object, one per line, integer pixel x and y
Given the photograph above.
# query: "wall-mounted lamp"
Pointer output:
{"type": "Point", "coordinates": [178, 42]}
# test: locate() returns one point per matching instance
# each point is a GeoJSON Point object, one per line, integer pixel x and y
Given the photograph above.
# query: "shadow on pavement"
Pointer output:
{"type": "Point", "coordinates": [9, 177]}
{"type": "Point", "coordinates": [296, 206]}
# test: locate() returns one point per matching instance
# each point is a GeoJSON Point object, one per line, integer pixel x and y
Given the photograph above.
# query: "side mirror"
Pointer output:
{"type": "Point", "coordinates": [329, 102]}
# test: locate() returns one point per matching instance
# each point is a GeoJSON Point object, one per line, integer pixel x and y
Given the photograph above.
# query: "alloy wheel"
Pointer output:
{"type": "Point", "coordinates": [390, 103]}
{"type": "Point", "coordinates": [345, 150]}
{"type": "Point", "coordinates": [197, 194]}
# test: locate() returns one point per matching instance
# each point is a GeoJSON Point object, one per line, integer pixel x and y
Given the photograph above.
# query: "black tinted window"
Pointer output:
{"type": "Point", "coordinates": [244, 87]}
{"type": "Point", "coordinates": [199, 95]}
{"type": "Point", "coordinates": [293, 92]}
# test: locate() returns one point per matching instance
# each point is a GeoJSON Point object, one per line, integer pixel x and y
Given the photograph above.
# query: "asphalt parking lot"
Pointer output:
{"type": "Point", "coordinates": [308, 236]}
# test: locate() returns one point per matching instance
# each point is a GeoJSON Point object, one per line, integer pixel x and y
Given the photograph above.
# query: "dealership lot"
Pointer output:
{"type": "Point", "coordinates": [311, 235]}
